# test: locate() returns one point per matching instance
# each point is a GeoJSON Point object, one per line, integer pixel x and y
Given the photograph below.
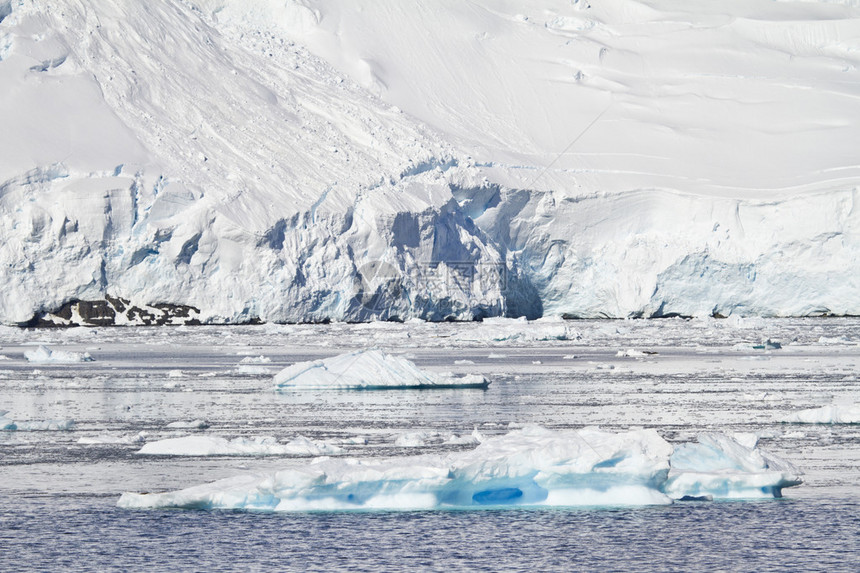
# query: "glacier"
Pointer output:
{"type": "Point", "coordinates": [534, 466]}
{"type": "Point", "coordinates": [217, 161]}
{"type": "Point", "coordinates": [368, 370]}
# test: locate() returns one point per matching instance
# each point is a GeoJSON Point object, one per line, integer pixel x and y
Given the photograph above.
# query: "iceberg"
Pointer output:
{"type": "Point", "coordinates": [832, 414]}
{"type": "Point", "coordinates": [368, 370]}
{"type": "Point", "coordinates": [533, 466]}
{"type": "Point", "coordinates": [720, 466]}
{"type": "Point", "coordinates": [45, 355]}
{"type": "Point", "coordinates": [220, 446]}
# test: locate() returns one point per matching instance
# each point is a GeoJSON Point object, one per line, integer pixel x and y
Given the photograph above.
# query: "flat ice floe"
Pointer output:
{"type": "Point", "coordinates": [369, 370]}
{"type": "Point", "coordinates": [832, 414]}
{"type": "Point", "coordinates": [220, 446]}
{"type": "Point", "coordinates": [43, 354]}
{"type": "Point", "coordinates": [59, 425]}
{"type": "Point", "coordinates": [529, 467]}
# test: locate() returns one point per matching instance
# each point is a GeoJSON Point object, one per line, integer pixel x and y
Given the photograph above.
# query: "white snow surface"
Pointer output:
{"type": "Point", "coordinates": [45, 355]}
{"type": "Point", "coordinates": [220, 446]}
{"type": "Point", "coordinates": [831, 414]}
{"type": "Point", "coordinates": [310, 160]}
{"type": "Point", "coordinates": [366, 370]}
{"type": "Point", "coordinates": [532, 466]}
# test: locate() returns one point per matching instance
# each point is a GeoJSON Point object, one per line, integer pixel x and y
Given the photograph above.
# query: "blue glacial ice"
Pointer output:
{"type": "Point", "coordinates": [368, 370]}
{"type": "Point", "coordinates": [534, 466]}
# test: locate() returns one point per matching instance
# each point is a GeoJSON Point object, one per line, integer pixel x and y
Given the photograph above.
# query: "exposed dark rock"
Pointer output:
{"type": "Point", "coordinates": [115, 311]}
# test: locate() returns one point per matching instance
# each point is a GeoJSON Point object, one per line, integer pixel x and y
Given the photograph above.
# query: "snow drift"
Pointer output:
{"type": "Point", "coordinates": [529, 467]}
{"type": "Point", "coordinates": [222, 161]}
{"type": "Point", "coordinates": [368, 370]}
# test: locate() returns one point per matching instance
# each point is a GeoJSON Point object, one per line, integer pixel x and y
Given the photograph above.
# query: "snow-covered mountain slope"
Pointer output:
{"type": "Point", "coordinates": [250, 160]}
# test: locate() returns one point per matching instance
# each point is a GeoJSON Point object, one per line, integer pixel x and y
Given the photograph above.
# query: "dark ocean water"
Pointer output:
{"type": "Point", "coordinates": [90, 534]}
{"type": "Point", "coordinates": [59, 489]}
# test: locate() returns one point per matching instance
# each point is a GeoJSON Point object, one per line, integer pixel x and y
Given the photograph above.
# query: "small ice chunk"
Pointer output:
{"type": "Point", "coordinates": [5, 422]}
{"type": "Point", "coordinates": [832, 414]}
{"type": "Point", "coordinates": [109, 439]}
{"type": "Point", "coordinates": [192, 425]}
{"type": "Point", "coordinates": [220, 446]}
{"type": "Point", "coordinates": [252, 370]}
{"type": "Point", "coordinates": [255, 360]}
{"type": "Point", "coordinates": [630, 353]}
{"type": "Point", "coordinates": [369, 370]}
{"type": "Point", "coordinates": [43, 354]}
{"type": "Point", "coordinates": [416, 439]}
{"type": "Point", "coordinates": [59, 425]}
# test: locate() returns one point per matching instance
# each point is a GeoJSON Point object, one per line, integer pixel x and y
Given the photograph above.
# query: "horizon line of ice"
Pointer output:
{"type": "Point", "coordinates": [369, 370]}
{"type": "Point", "coordinates": [532, 467]}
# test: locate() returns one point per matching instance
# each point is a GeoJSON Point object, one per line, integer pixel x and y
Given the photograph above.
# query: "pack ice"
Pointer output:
{"type": "Point", "coordinates": [368, 370]}
{"type": "Point", "coordinates": [529, 467]}
{"type": "Point", "coordinates": [227, 161]}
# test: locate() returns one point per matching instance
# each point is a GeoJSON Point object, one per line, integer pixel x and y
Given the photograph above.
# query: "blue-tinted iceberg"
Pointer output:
{"type": "Point", "coordinates": [368, 370]}
{"type": "Point", "coordinates": [719, 466]}
{"type": "Point", "coordinates": [529, 467]}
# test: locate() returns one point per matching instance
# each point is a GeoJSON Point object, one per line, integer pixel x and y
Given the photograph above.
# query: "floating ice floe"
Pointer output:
{"type": "Point", "coordinates": [192, 425]}
{"type": "Point", "coordinates": [219, 446]}
{"type": "Point", "coordinates": [529, 467]}
{"type": "Point", "coordinates": [109, 439]}
{"type": "Point", "coordinates": [520, 330]}
{"type": "Point", "coordinates": [255, 360]}
{"type": "Point", "coordinates": [632, 353]}
{"type": "Point", "coordinates": [43, 354]}
{"type": "Point", "coordinates": [832, 414]}
{"type": "Point", "coordinates": [369, 370]}
{"type": "Point", "coordinates": [425, 438]}
{"type": "Point", "coordinates": [59, 425]}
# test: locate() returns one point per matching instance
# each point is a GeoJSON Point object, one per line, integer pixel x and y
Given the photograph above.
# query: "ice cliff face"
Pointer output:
{"type": "Point", "coordinates": [216, 160]}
